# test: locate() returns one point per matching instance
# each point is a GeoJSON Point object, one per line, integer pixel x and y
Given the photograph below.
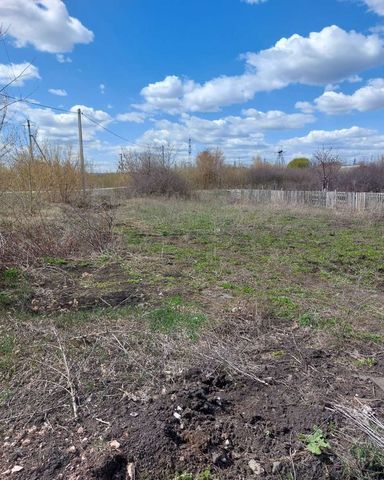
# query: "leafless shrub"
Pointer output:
{"type": "Point", "coordinates": [27, 239]}
{"type": "Point", "coordinates": [153, 172]}
{"type": "Point", "coordinates": [93, 228]}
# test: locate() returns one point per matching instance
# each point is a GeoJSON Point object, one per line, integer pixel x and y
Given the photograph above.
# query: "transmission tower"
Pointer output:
{"type": "Point", "coordinates": [280, 158]}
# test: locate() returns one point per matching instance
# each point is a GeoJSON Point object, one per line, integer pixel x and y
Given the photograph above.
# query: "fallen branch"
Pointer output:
{"type": "Point", "coordinates": [67, 375]}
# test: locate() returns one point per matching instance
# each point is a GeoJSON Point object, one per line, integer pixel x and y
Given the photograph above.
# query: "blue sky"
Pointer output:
{"type": "Point", "coordinates": [246, 76]}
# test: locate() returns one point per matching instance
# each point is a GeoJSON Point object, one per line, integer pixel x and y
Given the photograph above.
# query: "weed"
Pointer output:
{"type": "Point", "coordinates": [315, 442]}
{"type": "Point", "coordinates": [12, 275]}
{"type": "Point", "coordinates": [205, 475]}
{"type": "Point", "coordinates": [366, 362]}
{"type": "Point", "coordinates": [368, 459]}
{"type": "Point", "coordinates": [55, 261]}
{"type": "Point", "coordinates": [278, 354]}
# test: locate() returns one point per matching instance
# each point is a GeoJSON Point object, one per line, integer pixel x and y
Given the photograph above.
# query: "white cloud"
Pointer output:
{"type": "Point", "coordinates": [325, 57]}
{"type": "Point", "coordinates": [102, 88]}
{"type": "Point", "coordinates": [167, 94]}
{"type": "Point", "coordinates": [376, 6]}
{"type": "Point", "coordinates": [368, 98]}
{"type": "Point", "coordinates": [45, 24]}
{"type": "Point", "coordinates": [63, 58]}
{"type": "Point", "coordinates": [60, 92]}
{"type": "Point", "coordinates": [305, 107]}
{"type": "Point", "coordinates": [239, 136]}
{"type": "Point", "coordinates": [19, 72]}
{"type": "Point", "coordinates": [253, 2]}
{"type": "Point", "coordinates": [61, 127]}
{"type": "Point", "coordinates": [349, 143]}
{"type": "Point", "coordinates": [134, 117]}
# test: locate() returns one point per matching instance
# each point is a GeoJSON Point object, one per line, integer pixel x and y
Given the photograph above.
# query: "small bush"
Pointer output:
{"type": "Point", "coordinates": [27, 240]}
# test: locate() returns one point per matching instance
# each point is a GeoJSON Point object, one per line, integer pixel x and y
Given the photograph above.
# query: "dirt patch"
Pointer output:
{"type": "Point", "coordinates": [206, 420]}
{"type": "Point", "coordinates": [74, 285]}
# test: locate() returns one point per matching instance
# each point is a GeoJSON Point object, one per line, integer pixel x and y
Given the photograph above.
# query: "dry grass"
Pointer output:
{"type": "Point", "coordinates": [281, 301]}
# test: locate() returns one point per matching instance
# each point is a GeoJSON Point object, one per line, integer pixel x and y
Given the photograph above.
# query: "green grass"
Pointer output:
{"type": "Point", "coordinates": [175, 315]}
{"type": "Point", "coordinates": [296, 266]}
{"type": "Point", "coordinates": [11, 275]}
{"type": "Point", "coordinates": [55, 261]}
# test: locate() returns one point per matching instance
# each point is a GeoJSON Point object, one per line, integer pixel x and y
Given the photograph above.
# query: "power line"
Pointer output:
{"type": "Point", "coordinates": [63, 110]}
{"type": "Point", "coordinates": [36, 104]}
{"type": "Point", "coordinates": [105, 128]}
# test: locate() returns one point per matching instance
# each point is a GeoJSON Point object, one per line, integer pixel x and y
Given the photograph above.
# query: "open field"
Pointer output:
{"type": "Point", "coordinates": [191, 340]}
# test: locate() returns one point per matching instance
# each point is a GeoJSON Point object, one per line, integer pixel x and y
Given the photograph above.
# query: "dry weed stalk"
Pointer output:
{"type": "Point", "coordinates": [364, 419]}
{"type": "Point", "coordinates": [66, 374]}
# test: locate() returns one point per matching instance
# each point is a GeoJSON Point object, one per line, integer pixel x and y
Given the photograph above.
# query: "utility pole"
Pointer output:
{"type": "Point", "coordinates": [189, 151]}
{"type": "Point", "coordinates": [31, 159]}
{"type": "Point", "coordinates": [81, 152]}
{"type": "Point", "coordinates": [163, 154]}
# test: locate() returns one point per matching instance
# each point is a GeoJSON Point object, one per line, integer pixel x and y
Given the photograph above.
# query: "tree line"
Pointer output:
{"type": "Point", "coordinates": [156, 171]}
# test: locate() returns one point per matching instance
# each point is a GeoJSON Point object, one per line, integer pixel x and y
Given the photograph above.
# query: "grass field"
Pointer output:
{"type": "Point", "coordinates": [206, 341]}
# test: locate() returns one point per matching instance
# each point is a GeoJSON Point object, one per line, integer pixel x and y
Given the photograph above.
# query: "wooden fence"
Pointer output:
{"type": "Point", "coordinates": [355, 201]}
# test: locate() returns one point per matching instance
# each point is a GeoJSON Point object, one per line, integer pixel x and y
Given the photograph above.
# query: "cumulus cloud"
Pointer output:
{"type": "Point", "coordinates": [17, 73]}
{"type": "Point", "coordinates": [167, 95]}
{"type": "Point", "coordinates": [348, 142]}
{"type": "Point", "coordinates": [376, 6]}
{"type": "Point", "coordinates": [325, 57]}
{"type": "Point", "coordinates": [365, 99]}
{"type": "Point", "coordinates": [60, 92]}
{"type": "Point", "coordinates": [45, 24]}
{"type": "Point", "coordinates": [61, 127]}
{"type": "Point", "coordinates": [244, 132]}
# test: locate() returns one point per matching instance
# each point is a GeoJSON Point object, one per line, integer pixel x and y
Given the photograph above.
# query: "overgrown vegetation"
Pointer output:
{"type": "Point", "coordinates": [206, 339]}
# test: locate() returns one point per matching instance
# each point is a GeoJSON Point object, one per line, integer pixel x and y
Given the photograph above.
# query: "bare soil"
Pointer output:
{"type": "Point", "coordinates": [205, 418]}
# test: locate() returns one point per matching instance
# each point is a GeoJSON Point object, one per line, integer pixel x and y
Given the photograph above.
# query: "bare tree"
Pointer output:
{"type": "Point", "coordinates": [327, 165]}
{"type": "Point", "coordinates": [209, 166]}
